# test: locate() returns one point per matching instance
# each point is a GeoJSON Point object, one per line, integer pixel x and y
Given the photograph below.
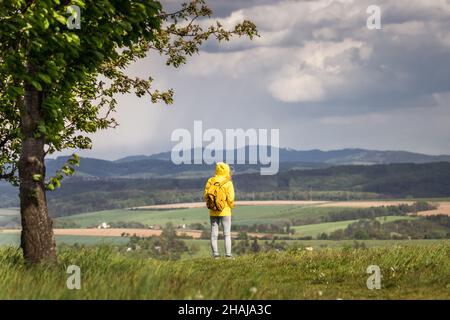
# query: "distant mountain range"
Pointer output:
{"type": "Point", "coordinates": [342, 156]}
{"type": "Point", "coordinates": [160, 165]}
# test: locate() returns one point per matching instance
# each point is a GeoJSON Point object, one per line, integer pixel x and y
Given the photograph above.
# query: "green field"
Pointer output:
{"type": "Point", "coordinates": [241, 215]}
{"type": "Point", "coordinates": [410, 272]}
{"type": "Point", "coordinates": [8, 215]}
{"type": "Point", "coordinates": [314, 229]}
{"type": "Point", "coordinates": [13, 239]}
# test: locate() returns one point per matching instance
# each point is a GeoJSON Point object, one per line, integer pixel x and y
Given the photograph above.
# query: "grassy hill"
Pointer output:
{"type": "Point", "coordinates": [160, 165]}
{"type": "Point", "coordinates": [407, 273]}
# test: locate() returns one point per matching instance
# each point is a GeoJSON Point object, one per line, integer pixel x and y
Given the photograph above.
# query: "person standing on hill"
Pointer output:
{"type": "Point", "coordinates": [219, 198]}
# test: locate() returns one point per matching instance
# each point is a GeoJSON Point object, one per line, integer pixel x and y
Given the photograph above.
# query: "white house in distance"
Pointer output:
{"type": "Point", "coordinates": [103, 225]}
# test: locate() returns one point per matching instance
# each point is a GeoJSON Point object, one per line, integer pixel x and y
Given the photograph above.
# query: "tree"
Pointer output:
{"type": "Point", "coordinates": [255, 246]}
{"type": "Point", "coordinates": [58, 84]}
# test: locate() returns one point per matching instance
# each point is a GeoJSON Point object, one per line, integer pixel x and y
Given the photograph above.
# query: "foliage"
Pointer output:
{"type": "Point", "coordinates": [247, 245]}
{"type": "Point", "coordinates": [128, 224]}
{"type": "Point", "coordinates": [432, 227]}
{"type": "Point", "coordinates": [263, 228]}
{"type": "Point", "coordinates": [167, 246]}
{"type": "Point", "coordinates": [61, 224]}
{"type": "Point", "coordinates": [366, 213]}
{"type": "Point", "coordinates": [80, 72]}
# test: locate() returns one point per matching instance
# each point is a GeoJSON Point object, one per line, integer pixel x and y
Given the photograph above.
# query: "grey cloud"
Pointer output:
{"type": "Point", "coordinates": [379, 89]}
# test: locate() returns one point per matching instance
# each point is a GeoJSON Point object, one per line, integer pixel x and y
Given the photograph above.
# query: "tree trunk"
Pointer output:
{"type": "Point", "coordinates": [37, 239]}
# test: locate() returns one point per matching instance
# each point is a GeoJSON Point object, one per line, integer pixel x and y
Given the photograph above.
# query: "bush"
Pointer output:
{"type": "Point", "coordinates": [168, 246]}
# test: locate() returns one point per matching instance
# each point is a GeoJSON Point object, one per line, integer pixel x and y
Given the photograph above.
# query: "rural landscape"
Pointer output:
{"type": "Point", "coordinates": [323, 214]}
{"type": "Point", "coordinates": [313, 134]}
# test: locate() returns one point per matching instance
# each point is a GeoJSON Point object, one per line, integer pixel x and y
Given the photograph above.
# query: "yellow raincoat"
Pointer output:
{"type": "Point", "coordinates": [222, 173]}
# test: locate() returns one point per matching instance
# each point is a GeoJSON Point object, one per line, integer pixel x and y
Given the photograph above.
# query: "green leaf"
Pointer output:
{"type": "Point", "coordinates": [56, 182]}
{"type": "Point", "coordinates": [60, 18]}
{"type": "Point", "coordinates": [36, 84]}
{"type": "Point", "coordinates": [45, 23]}
{"type": "Point", "coordinates": [45, 78]}
{"type": "Point", "coordinates": [77, 159]}
{"type": "Point", "coordinates": [42, 128]}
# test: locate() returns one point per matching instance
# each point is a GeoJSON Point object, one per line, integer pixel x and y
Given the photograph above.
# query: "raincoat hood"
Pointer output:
{"type": "Point", "coordinates": [223, 170]}
{"type": "Point", "coordinates": [223, 176]}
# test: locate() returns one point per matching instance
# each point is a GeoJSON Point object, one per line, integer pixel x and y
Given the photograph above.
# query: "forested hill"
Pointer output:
{"type": "Point", "coordinates": [87, 193]}
{"type": "Point", "coordinates": [160, 165]}
{"type": "Point", "coordinates": [333, 183]}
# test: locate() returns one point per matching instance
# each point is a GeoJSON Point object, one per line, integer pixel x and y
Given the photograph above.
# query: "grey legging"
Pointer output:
{"type": "Point", "coordinates": [225, 221]}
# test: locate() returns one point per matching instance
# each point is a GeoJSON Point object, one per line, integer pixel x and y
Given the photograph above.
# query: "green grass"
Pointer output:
{"type": "Point", "coordinates": [413, 272]}
{"type": "Point", "coordinates": [13, 239]}
{"type": "Point", "coordinates": [205, 251]}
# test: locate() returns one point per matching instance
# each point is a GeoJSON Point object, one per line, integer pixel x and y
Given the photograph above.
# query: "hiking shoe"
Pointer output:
{"type": "Point", "coordinates": [216, 257]}
{"type": "Point", "coordinates": [230, 257]}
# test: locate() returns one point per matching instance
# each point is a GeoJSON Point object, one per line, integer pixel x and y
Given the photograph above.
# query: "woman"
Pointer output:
{"type": "Point", "coordinates": [222, 180]}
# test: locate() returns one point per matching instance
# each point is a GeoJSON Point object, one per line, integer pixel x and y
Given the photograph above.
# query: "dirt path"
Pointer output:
{"type": "Point", "coordinates": [238, 203]}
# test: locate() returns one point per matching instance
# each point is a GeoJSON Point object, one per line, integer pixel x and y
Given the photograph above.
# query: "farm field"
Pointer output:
{"type": "Point", "coordinates": [244, 214]}
{"type": "Point", "coordinates": [86, 232]}
{"type": "Point", "coordinates": [314, 229]}
{"type": "Point", "coordinates": [307, 230]}
{"type": "Point", "coordinates": [13, 239]}
{"type": "Point", "coordinates": [443, 204]}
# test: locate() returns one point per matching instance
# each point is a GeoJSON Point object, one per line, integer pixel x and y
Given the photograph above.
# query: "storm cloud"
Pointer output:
{"type": "Point", "coordinates": [317, 73]}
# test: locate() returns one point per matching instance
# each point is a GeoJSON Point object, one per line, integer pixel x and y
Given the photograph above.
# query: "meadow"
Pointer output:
{"type": "Point", "coordinates": [242, 215]}
{"type": "Point", "coordinates": [407, 272]}
{"type": "Point", "coordinates": [203, 246]}
{"type": "Point", "coordinates": [305, 269]}
{"type": "Point", "coordinates": [13, 239]}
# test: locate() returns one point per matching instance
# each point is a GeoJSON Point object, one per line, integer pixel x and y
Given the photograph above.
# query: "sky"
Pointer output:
{"type": "Point", "coordinates": [317, 73]}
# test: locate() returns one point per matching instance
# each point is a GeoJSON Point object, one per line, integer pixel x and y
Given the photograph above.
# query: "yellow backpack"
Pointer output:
{"type": "Point", "coordinates": [216, 196]}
